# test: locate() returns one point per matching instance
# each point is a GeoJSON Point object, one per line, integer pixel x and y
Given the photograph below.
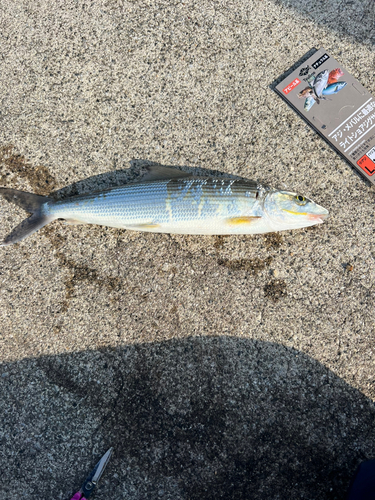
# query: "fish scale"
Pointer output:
{"type": "Point", "coordinates": [159, 202]}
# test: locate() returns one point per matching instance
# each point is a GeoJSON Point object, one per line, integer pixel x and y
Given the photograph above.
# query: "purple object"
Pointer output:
{"type": "Point", "coordinates": [78, 496]}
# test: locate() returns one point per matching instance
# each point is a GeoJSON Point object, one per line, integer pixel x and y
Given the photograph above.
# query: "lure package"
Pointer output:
{"type": "Point", "coordinates": [337, 106]}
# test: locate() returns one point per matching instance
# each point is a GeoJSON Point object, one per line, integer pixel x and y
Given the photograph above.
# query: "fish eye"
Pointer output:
{"type": "Point", "coordinates": [301, 200]}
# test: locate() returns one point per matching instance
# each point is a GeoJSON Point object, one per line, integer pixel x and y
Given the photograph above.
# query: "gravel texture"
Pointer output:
{"type": "Point", "coordinates": [217, 367]}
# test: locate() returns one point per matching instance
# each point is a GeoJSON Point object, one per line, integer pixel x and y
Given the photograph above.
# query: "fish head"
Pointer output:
{"type": "Point", "coordinates": [338, 72]}
{"type": "Point", "coordinates": [341, 85]}
{"type": "Point", "coordinates": [305, 92]}
{"type": "Point", "coordinates": [334, 88]}
{"type": "Point", "coordinates": [320, 82]}
{"type": "Point", "coordinates": [286, 210]}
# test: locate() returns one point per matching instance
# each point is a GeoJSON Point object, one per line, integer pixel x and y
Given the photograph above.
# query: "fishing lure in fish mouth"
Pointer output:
{"type": "Point", "coordinates": [167, 200]}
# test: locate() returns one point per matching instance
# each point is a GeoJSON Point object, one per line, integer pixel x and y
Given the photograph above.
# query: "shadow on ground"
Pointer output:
{"type": "Point", "coordinates": [199, 418]}
{"type": "Point", "coordinates": [135, 173]}
{"type": "Point", "coordinates": [353, 18]}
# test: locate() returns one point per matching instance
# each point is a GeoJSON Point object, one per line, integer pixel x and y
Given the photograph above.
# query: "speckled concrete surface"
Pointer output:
{"type": "Point", "coordinates": [236, 367]}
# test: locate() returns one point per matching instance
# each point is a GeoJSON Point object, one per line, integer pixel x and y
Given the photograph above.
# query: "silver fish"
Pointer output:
{"type": "Point", "coordinates": [320, 82]}
{"type": "Point", "coordinates": [309, 103]}
{"type": "Point", "coordinates": [167, 200]}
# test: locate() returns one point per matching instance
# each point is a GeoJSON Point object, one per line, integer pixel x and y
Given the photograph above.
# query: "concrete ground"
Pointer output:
{"type": "Point", "coordinates": [234, 368]}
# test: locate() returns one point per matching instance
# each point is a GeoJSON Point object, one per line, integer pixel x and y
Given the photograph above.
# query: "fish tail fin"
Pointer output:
{"type": "Point", "coordinates": [31, 203]}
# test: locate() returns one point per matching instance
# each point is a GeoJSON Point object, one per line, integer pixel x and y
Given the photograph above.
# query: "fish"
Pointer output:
{"type": "Point", "coordinates": [310, 98]}
{"type": "Point", "coordinates": [309, 103]}
{"type": "Point", "coordinates": [334, 88]}
{"type": "Point", "coordinates": [168, 200]}
{"type": "Point", "coordinates": [334, 75]}
{"type": "Point", "coordinates": [305, 93]}
{"type": "Point", "coordinates": [320, 82]}
{"type": "Point", "coordinates": [310, 79]}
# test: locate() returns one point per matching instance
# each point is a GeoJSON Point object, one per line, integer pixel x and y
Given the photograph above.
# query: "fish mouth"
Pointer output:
{"type": "Point", "coordinates": [310, 216]}
{"type": "Point", "coordinates": [319, 218]}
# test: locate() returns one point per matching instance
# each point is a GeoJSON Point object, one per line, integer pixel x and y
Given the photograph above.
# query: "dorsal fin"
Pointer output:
{"type": "Point", "coordinates": [158, 173]}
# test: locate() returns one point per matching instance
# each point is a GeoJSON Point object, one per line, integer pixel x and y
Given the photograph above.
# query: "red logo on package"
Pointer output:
{"type": "Point", "coordinates": [291, 86]}
{"type": "Point", "coordinates": [367, 165]}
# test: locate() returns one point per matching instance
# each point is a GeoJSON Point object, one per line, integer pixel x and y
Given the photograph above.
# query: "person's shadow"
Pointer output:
{"type": "Point", "coordinates": [198, 418]}
{"type": "Point", "coordinates": [353, 18]}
